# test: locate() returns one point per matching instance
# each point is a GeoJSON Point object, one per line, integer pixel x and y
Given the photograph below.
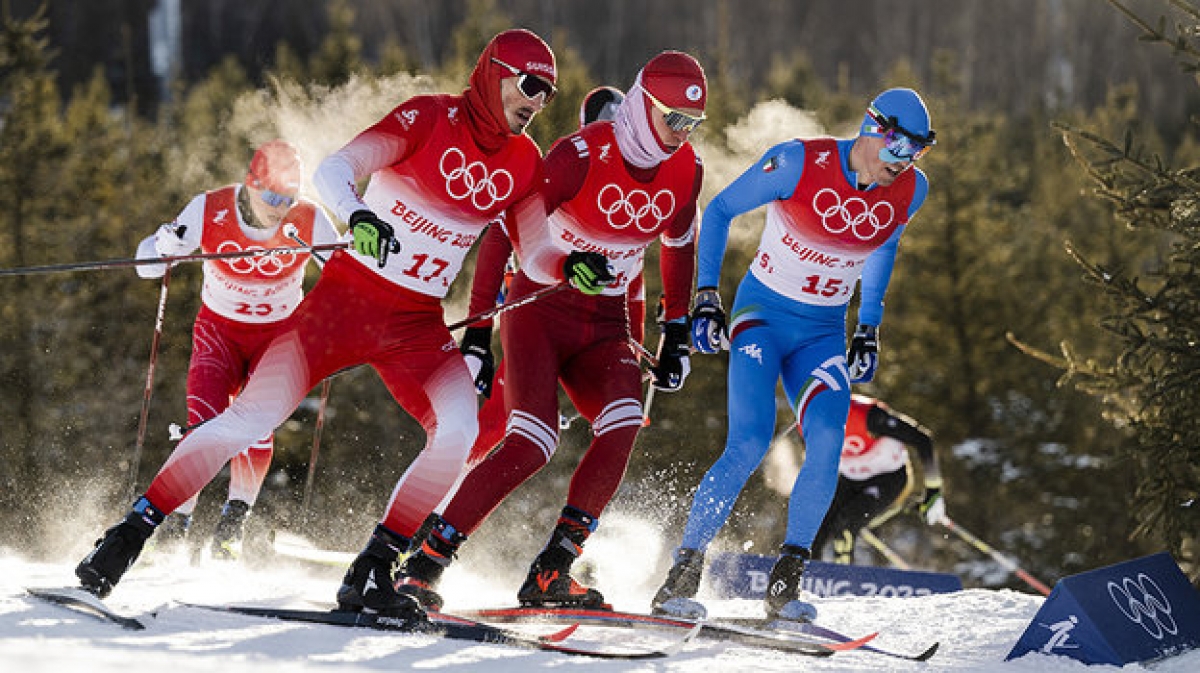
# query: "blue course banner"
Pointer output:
{"type": "Point", "coordinates": [733, 575]}
{"type": "Point", "coordinates": [1135, 611]}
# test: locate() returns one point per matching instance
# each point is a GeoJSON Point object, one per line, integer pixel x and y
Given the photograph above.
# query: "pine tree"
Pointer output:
{"type": "Point", "coordinates": [1150, 379]}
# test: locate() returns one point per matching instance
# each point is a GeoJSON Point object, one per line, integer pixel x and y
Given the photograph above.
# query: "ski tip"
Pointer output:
{"type": "Point", "coordinates": [851, 644]}
{"type": "Point", "coordinates": [559, 636]}
{"type": "Point", "coordinates": [929, 652]}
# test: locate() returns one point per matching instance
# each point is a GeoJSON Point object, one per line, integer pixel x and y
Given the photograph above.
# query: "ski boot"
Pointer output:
{"type": "Point", "coordinates": [422, 570]}
{"type": "Point", "coordinates": [368, 586]}
{"type": "Point", "coordinates": [676, 596]}
{"type": "Point", "coordinates": [100, 570]}
{"type": "Point", "coordinates": [227, 536]}
{"type": "Point", "coordinates": [549, 583]}
{"type": "Point", "coordinates": [783, 587]}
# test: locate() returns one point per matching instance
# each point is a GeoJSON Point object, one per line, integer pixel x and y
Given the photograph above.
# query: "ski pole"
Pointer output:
{"type": "Point", "coordinates": [122, 263]}
{"type": "Point", "coordinates": [148, 391]}
{"type": "Point", "coordinates": [883, 548]}
{"type": "Point", "coordinates": [507, 305]}
{"type": "Point", "coordinates": [644, 354]}
{"type": "Point", "coordinates": [293, 233]}
{"type": "Point", "coordinates": [1003, 560]}
{"type": "Point", "coordinates": [316, 447]}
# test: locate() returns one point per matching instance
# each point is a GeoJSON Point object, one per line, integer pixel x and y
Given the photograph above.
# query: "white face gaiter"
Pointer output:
{"type": "Point", "coordinates": [638, 142]}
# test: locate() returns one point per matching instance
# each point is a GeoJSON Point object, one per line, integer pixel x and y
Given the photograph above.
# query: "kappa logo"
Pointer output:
{"type": "Point", "coordinates": [407, 117]}
{"type": "Point", "coordinates": [853, 214]}
{"type": "Point", "coordinates": [823, 159]}
{"type": "Point", "coordinates": [636, 208]}
{"type": "Point", "coordinates": [471, 180]}
{"type": "Point", "coordinates": [1144, 603]}
{"type": "Point", "coordinates": [753, 351]}
{"type": "Point", "coordinates": [266, 264]}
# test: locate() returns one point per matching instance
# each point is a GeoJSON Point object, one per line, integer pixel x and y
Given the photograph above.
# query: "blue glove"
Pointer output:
{"type": "Point", "coordinates": [476, 348]}
{"type": "Point", "coordinates": [372, 236]}
{"type": "Point", "coordinates": [674, 365]}
{"type": "Point", "coordinates": [708, 322]}
{"type": "Point", "coordinates": [587, 271]}
{"type": "Point", "coordinates": [863, 357]}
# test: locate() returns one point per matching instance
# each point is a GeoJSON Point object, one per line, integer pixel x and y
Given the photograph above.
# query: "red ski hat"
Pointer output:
{"type": "Point", "coordinates": [524, 51]}
{"type": "Point", "coordinates": [275, 166]}
{"type": "Point", "coordinates": [676, 80]}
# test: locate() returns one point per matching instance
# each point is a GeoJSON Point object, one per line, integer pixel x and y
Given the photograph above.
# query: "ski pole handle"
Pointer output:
{"type": "Point", "coordinates": [293, 233]}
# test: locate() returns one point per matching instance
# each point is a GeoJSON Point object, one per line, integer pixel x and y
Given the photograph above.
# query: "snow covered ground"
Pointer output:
{"type": "Point", "coordinates": [976, 628]}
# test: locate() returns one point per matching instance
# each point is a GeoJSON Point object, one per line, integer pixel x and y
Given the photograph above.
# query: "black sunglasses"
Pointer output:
{"type": "Point", "coordinates": [531, 85]}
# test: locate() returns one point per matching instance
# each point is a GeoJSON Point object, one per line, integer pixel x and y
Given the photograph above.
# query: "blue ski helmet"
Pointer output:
{"type": "Point", "coordinates": [902, 113]}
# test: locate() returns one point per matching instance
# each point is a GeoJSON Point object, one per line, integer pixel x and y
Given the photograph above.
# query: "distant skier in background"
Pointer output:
{"type": "Point", "coordinates": [243, 304]}
{"type": "Point", "coordinates": [876, 473]}
{"type": "Point", "coordinates": [835, 212]}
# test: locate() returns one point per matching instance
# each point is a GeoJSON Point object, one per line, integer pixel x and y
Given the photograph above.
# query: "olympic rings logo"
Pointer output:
{"type": "Point", "coordinates": [636, 208]}
{"type": "Point", "coordinates": [267, 265]}
{"type": "Point", "coordinates": [472, 180]}
{"type": "Point", "coordinates": [1144, 603]}
{"type": "Point", "coordinates": [865, 222]}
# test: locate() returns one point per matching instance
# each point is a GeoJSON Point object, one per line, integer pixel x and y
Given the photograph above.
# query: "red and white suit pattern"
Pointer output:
{"type": "Point", "coordinates": [435, 185]}
{"type": "Point", "coordinates": [244, 301]}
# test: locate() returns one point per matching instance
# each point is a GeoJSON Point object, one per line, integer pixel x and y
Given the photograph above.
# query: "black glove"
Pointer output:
{"type": "Point", "coordinates": [476, 348]}
{"type": "Point", "coordinates": [587, 271]}
{"type": "Point", "coordinates": [863, 356]}
{"type": "Point", "coordinates": [372, 236]}
{"type": "Point", "coordinates": [673, 362]}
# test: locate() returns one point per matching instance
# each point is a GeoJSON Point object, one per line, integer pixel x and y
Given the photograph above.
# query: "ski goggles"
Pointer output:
{"type": "Point", "coordinates": [676, 120]}
{"type": "Point", "coordinates": [899, 144]}
{"type": "Point", "coordinates": [275, 199]}
{"type": "Point", "coordinates": [530, 85]}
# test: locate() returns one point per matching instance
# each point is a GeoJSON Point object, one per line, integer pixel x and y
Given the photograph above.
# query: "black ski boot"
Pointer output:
{"type": "Point", "coordinates": [675, 597]}
{"type": "Point", "coordinates": [549, 583]}
{"type": "Point", "coordinates": [783, 586]}
{"type": "Point", "coordinates": [368, 585]}
{"type": "Point", "coordinates": [227, 536]}
{"type": "Point", "coordinates": [422, 570]}
{"type": "Point", "coordinates": [100, 570]}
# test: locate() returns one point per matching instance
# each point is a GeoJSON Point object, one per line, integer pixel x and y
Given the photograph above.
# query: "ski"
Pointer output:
{"type": "Point", "coordinates": [735, 633]}
{"type": "Point", "coordinates": [812, 629]}
{"type": "Point", "coordinates": [448, 626]}
{"type": "Point", "coordinates": [80, 600]}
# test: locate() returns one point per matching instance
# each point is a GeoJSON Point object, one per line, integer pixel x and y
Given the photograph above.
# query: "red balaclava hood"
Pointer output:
{"type": "Point", "coordinates": [522, 50]}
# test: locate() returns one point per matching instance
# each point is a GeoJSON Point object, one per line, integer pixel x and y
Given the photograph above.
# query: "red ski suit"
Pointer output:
{"type": "Point", "coordinates": [594, 201]}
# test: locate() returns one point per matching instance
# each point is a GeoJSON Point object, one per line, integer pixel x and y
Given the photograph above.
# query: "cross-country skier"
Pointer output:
{"type": "Point", "coordinates": [612, 189]}
{"type": "Point", "coordinates": [835, 212]}
{"type": "Point", "coordinates": [600, 104]}
{"type": "Point", "coordinates": [876, 472]}
{"type": "Point", "coordinates": [441, 167]}
{"type": "Point", "coordinates": [243, 304]}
